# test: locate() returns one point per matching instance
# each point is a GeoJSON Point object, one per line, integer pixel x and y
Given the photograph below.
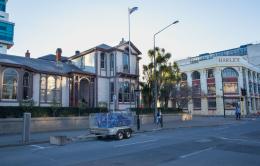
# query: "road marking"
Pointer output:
{"type": "Point", "coordinates": [143, 142]}
{"type": "Point", "coordinates": [195, 153]}
{"type": "Point", "coordinates": [38, 147]}
{"type": "Point", "coordinates": [221, 128]}
{"type": "Point", "coordinates": [237, 139]}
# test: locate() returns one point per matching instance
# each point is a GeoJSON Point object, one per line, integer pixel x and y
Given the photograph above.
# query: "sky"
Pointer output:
{"type": "Point", "coordinates": [205, 26]}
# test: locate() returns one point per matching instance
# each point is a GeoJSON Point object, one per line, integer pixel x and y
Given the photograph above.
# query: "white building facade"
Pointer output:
{"type": "Point", "coordinates": [116, 73]}
{"type": "Point", "coordinates": [217, 80]}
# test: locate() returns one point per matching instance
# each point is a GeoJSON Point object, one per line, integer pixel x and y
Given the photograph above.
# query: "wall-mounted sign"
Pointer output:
{"type": "Point", "coordinates": [228, 59]}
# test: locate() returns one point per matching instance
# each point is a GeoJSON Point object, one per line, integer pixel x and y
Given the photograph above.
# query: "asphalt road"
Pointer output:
{"type": "Point", "coordinates": [237, 144]}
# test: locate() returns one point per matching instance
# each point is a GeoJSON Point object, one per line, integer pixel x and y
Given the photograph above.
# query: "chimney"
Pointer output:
{"type": "Point", "coordinates": [122, 41]}
{"type": "Point", "coordinates": [58, 54]}
{"type": "Point", "coordinates": [27, 54]}
{"type": "Point", "coordinates": [77, 52]}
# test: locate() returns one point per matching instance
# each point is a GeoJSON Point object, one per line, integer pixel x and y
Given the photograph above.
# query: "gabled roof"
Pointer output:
{"type": "Point", "coordinates": [52, 57]}
{"type": "Point", "coordinates": [131, 44]}
{"type": "Point", "coordinates": [105, 47]}
{"type": "Point", "coordinates": [40, 65]}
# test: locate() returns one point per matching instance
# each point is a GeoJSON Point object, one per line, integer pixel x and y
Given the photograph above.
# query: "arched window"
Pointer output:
{"type": "Point", "coordinates": [195, 75]}
{"type": "Point", "coordinates": [10, 82]}
{"type": "Point", "coordinates": [26, 79]}
{"type": "Point", "coordinates": [230, 73]}
{"type": "Point", "coordinates": [230, 86]}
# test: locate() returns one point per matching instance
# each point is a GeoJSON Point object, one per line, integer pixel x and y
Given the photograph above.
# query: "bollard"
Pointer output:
{"type": "Point", "coordinates": [26, 127]}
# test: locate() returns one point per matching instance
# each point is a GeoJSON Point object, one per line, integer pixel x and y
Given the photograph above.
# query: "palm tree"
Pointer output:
{"type": "Point", "coordinates": [167, 76]}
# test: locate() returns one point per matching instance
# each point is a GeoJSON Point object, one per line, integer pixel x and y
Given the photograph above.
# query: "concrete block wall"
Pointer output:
{"type": "Point", "coordinates": [15, 125]}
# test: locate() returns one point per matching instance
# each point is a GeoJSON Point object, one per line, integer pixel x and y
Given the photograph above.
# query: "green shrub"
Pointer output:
{"type": "Point", "coordinates": [142, 111]}
{"type": "Point", "coordinates": [17, 112]}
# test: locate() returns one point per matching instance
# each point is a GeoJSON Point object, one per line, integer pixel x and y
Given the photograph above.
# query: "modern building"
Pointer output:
{"type": "Point", "coordinates": [217, 79]}
{"type": "Point", "coordinates": [6, 29]}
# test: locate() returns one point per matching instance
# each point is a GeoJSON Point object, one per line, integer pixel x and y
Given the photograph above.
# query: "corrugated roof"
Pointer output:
{"type": "Point", "coordinates": [41, 65]}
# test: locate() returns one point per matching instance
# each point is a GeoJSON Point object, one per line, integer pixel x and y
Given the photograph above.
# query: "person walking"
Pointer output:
{"type": "Point", "coordinates": [158, 118]}
{"type": "Point", "coordinates": [238, 112]}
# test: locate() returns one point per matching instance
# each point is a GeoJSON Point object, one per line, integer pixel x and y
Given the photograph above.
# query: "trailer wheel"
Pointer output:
{"type": "Point", "coordinates": [128, 134]}
{"type": "Point", "coordinates": [119, 135]}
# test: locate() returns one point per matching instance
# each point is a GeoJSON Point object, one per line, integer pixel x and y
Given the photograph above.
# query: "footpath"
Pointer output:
{"type": "Point", "coordinates": [197, 121]}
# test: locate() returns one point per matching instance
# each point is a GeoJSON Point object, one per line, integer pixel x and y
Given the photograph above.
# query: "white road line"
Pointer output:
{"type": "Point", "coordinates": [143, 142]}
{"type": "Point", "coordinates": [195, 153]}
{"type": "Point", "coordinates": [40, 147]}
{"type": "Point", "coordinates": [237, 139]}
{"type": "Point", "coordinates": [221, 128]}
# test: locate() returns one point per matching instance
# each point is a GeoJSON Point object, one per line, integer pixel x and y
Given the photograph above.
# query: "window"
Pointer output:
{"type": "Point", "coordinates": [124, 92]}
{"type": "Point", "coordinates": [102, 60]}
{"type": "Point", "coordinates": [230, 103]}
{"type": "Point", "coordinates": [196, 103]}
{"type": "Point", "coordinates": [51, 89]}
{"type": "Point", "coordinates": [43, 88]}
{"type": "Point", "coordinates": [132, 92]}
{"type": "Point", "coordinates": [255, 88]}
{"type": "Point", "coordinates": [6, 31]}
{"type": "Point", "coordinates": [112, 91]}
{"type": "Point", "coordinates": [126, 62]}
{"type": "Point", "coordinates": [230, 81]}
{"type": "Point", "coordinates": [250, 87]}
{"type": "Point", "coordinates": [26, 86]}
{"type": "Point", "coordinates": [120, 93]}
{"type": "Point", "coordinates": [183, 77]}
{"type": "Point", "coordinates": [211, 82]}
{"type": "Point", "coordinates": [230, 72]}
{"type": "Point", "coordinates": [10, 83]}
{"type": "Point", "coordinates": [112, 62]}
{"type": "Point", "coordinates": [211, 89]}
{"type": "Point", "coordinates": [230, 88]}
{"type": "Point", "coordinates": [210, 73]}
{"type": "Point", "coordinates": [196, 88]}
{"type": "Point", "coordinates": [212, 103]}
{"type": "Point", "coordinates": [195, 75]}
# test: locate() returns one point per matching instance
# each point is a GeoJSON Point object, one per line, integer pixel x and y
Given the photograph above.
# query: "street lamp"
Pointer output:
{"type": "Point", "coordinates": [155, 67]}
{"type": "Point", "coordinates": [130, 11]}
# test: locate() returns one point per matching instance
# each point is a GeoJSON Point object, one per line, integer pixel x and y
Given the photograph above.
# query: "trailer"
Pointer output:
{"type": "Point", "coordinates": [118, 124]}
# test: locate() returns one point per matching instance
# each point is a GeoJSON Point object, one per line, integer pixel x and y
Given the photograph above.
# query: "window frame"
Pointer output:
{"type": "Point", "coordinates": [17, 83]}
{"type": "Point", "coordinates": [56, 92]}
{"type": "Point", "coordinates": [103, 61]}
{"type": "Point", "coordinates": [26, 86]}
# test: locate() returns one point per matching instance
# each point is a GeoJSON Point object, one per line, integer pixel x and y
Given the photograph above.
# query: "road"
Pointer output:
{"type": "Point", "coordinates": [236, 144]}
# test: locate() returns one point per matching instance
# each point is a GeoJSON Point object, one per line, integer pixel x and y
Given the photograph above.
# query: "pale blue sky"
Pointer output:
{"type": "Point", "coordinates": [205, 25]}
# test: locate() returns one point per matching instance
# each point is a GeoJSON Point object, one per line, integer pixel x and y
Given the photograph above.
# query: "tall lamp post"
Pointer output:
{"type": "Point", "coordinates": [155, 68]}
{"type": "Point", "coordinates": [130, 11]}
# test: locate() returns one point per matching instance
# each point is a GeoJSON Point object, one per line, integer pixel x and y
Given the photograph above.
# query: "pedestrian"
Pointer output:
{"type": "Point", "coordinates": [238, 112]}
{"type": "Point", "coordinates": [158, 118]}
